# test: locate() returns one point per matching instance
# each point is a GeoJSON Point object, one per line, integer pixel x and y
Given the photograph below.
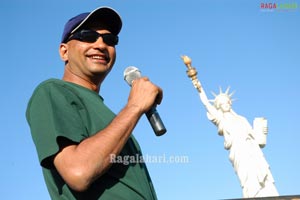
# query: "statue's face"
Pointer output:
{"type": "Point", "coordinates": [225, 107]}
{"type": "Point", "coordinates": [224, 103]}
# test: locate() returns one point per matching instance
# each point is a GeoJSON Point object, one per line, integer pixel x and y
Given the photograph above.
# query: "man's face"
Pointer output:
{"type": "Point", "coordinates": [91, 60]}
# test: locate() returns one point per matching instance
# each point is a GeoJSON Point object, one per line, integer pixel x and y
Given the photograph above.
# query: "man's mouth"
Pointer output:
{"type": "Point", "coordinates": [98, 57]}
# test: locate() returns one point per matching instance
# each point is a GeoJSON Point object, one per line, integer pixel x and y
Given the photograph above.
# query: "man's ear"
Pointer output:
{"type": "Point", "coordinates": [63, 51]}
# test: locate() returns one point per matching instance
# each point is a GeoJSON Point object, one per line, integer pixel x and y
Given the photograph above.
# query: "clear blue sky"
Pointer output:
{"type": "Point", "coordinates": [231, 43]}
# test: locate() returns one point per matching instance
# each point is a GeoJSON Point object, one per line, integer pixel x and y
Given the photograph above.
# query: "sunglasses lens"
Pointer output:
{"type": "Point", "coordinates": [110, 39]}
{"type": "Point", "coordinates": [89, 36]}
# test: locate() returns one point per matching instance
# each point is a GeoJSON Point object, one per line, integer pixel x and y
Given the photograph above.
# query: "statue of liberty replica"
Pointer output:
{"type": "Point", "coordinates": [243, 141]}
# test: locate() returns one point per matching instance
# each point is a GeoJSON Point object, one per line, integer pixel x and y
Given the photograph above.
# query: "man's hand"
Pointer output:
{"type": "Point", "coordinates": [144, 94]}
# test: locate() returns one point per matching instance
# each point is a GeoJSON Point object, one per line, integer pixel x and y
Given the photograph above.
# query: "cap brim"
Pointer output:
{"type": "Point", "coordinates": [106, 15]}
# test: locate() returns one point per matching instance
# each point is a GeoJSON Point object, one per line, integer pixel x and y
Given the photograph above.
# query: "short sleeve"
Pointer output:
{"type": "Point", "coordinates": [53, 112]}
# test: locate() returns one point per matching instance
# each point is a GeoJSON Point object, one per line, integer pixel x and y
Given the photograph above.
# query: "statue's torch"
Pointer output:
{"type": "Point", "coordinates": [191, 72]}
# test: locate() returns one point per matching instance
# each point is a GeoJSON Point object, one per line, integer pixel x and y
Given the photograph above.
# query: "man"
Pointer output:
{"type": "Point", "coordinates": [75, 134]}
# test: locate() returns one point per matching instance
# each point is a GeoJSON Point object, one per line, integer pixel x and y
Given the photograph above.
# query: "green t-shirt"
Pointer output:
{"type": "Point", "coordinates": [62, 109]}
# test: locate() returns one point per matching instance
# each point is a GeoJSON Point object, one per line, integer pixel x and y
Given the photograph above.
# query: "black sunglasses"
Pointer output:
{"type": "Point", "coordinates": [92, 36]}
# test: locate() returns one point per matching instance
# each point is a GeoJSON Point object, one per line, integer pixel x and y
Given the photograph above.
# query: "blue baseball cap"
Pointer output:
{"type": "Point", "coordinates": [102, 15]}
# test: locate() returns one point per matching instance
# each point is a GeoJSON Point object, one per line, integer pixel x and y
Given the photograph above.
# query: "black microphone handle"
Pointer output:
{"type": "Point", "coordinates": [156, 122]}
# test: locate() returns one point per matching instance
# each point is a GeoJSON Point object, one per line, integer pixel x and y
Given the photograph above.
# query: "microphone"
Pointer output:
{"type": "Point", "coordinates": [130, 74]}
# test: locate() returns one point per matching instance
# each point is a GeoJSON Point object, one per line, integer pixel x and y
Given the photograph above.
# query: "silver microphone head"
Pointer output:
{"type": "Point", "coordinates": [131, 73]}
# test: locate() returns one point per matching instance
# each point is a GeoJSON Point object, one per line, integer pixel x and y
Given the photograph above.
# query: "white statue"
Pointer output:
{"type": "Point", "coordinates": [243, 142]}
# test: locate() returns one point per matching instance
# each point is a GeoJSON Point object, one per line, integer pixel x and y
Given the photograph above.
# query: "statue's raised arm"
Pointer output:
{"type": "Point", "coordinates": [192, 74]}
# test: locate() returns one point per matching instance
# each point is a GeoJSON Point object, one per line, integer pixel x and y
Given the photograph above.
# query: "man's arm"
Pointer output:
{"type": "Point", "coordinates": [81, 164]}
